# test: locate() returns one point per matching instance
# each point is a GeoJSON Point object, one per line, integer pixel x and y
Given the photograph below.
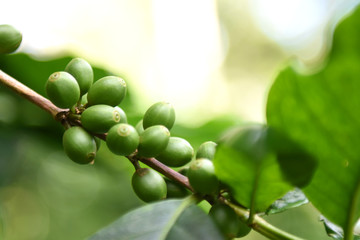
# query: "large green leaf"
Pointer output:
{"type": "Point", "coordinates": [244, 162]}
{"type": "Point", "coordinates": [171, 220]}
{"type": "Point", "coordinates": [321, 112]}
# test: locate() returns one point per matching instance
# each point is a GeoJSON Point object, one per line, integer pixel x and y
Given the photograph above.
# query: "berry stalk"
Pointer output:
{"type": "Point", "coordinates": [32, 96]}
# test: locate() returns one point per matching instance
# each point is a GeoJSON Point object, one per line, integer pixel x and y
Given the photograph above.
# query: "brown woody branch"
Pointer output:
{"type": "Point", "coordinates": [31, 95]}
{"type": "Point", "coordinates": [59, 114]}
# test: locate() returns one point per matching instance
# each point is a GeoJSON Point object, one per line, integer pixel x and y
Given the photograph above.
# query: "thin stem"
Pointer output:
{"type": "Point", "coordinates": [31, 95]}
{"type": "Point", "coordinates": [168, 172]}
{"type": "Point", "coordinates": [59, 114]}
{"type": "Point", "coordinates": [134, 162]}
{"type": "Point", "coordinates": [260, 225]}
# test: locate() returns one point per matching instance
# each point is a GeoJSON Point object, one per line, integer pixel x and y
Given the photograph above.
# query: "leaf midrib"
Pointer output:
{"type": "Point", "coordinates": [167, 228]}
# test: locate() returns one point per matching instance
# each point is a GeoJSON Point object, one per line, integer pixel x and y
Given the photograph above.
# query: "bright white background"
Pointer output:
{"type": "Point", "coordinates": [176, 50]}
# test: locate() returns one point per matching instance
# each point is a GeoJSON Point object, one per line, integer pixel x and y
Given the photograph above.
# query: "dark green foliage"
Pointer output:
{"type": "Point", "coordinates": [202, 176]}
{"type": "Point", "coordinates": [62, 89]}
{"type": "Point", "coordinates": [225, 219]}
{"type": "Point", "coordinates": [177, 153]}
{"type": "Point", "coordinates": [82, 71]}
{"type": "Point", "coordinates": [153, 141]}
{"type": "Point", "coordinates": [320, 112]}
{"type": "Point", "coordinates": [148, 185]}
{"type": "Point", "coordinates": [247, 160]}
{"type": "Point", "coordinates": [109, 90]}
{"type": "Point", "coordinates": [79, 145]}
{"type": "Point", "coordinates": [100, 118]}
{"type": "Point", "coordinates": [10, 39]}
{"type": "Point", "coordinates": [165, 220]}
{"type": "Point", "coordinates": [160, 113]}
{"type": "Point", "coordinates": [122, 139]}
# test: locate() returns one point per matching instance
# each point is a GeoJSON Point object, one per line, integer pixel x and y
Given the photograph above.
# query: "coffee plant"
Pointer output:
{"type": "Point", "coordinates": [308, 151]}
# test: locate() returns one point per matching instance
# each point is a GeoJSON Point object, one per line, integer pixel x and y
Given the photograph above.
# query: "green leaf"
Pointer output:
{"type": "Point", "coordinates": [321, 113]}
{"type": "Point", "coordinates": [170, 219]}
{"type": "Point", "coordinates": [292, 199]}
{"type": "Point", "coordinates": [194, 224]}
{"type": "Point", "coordinates": [297, 165]}
{"type": "Point", "coordinates": [244, 162]}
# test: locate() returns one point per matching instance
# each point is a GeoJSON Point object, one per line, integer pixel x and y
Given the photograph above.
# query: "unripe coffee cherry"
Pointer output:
{"type": "Point", "coordinates": [175, 190]}
{"type": "Point", "coordinates": [123, 117]}
{"type": "Point", "coordinates": [79, 145]}
{"type": "Point", "coordinates": [184, 170]}
{"type": "Point", "coordinates": [243, 230]}
{"type": "Point", "coordinates": [161, 113]}
{"type": "Point", "coordinates": [122, 139]}
{"type": "Point", "coordinates": [139, 127]}
{"type": "Point", "coordinates": [98, 142]}
{"type": "Point", "coordinates": [83, 100]}
{"type": "Point", "coordinates": [225, 219]}
{"type": "Point", "coordinates": [82, 71]}
{"type": "Point", "coordinates": [206, 150]}
{"type": "Point", "coordinates": [177, 153]}
{"type": "Point", "coordinates": [148, 185]}
{"type": "Point", "coordinates": [100, 118]}
{"type": "Point", "coordinates": [10, 39]}
{"type": "Point", "coordinates": [153, 141]}
{"type": "Point", "coordinates": [108, 90]}
{"type": "Point", "coordinates": [202, 176]}
{"type": "Point", "coordinates": [62, 89]}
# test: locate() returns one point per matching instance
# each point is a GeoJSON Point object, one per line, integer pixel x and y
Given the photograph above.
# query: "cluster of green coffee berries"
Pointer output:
{"type": "Point", "coordinates": [94, 104]}
{"type": "Point", "coordinates": [94, 111]}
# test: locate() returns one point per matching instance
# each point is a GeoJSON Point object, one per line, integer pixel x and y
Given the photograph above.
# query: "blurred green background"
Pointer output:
{"type": "Point", "coordinates": [214, 60]}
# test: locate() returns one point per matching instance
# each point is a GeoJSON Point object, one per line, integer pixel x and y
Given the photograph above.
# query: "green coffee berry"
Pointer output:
{"type": "Point", "coordinates": [100, 118]}
{"type": "Point", "coordinates": [79, 145]}
{"type": "Point", "coordinates": [123, 117]}
{"type": "Point", "coordinates": [83, 100]}
{"type": "Point", "coordinates": [225, 219]}
{"type": "Point", "coordinates": [175, 190]}
{"type": "Point", "coordinates": [98, 142]}
{"type": "Point", "coordinates": [184, 170]}
{"type": "Point", "coordinates": [82, 71]}
{"type": "Point", "coordinates": [202, 176]}
{"type": "Point", "coordinates": [10, 39]}
{"type": "Point", "coordinates": [177, 153]}
{"type": "Point", "coordinates": [161, 113]}
{"type": "Point", "coordinates": [243, 230]}
{"type": "Point", "coordinates": [206, 150]}
{"type": "Point", "coordinates": [122, 139]}
{"type": "Point", "coordinates": [108, 90]}
{"type": "Point", "coordinates": [139, 127]}
{"type": "Point", "coordinates": [62, 89]}
{"type": "Point", "coordinates": [153, 141]}
{"type": "Point", "coordinates": [148, 185]}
